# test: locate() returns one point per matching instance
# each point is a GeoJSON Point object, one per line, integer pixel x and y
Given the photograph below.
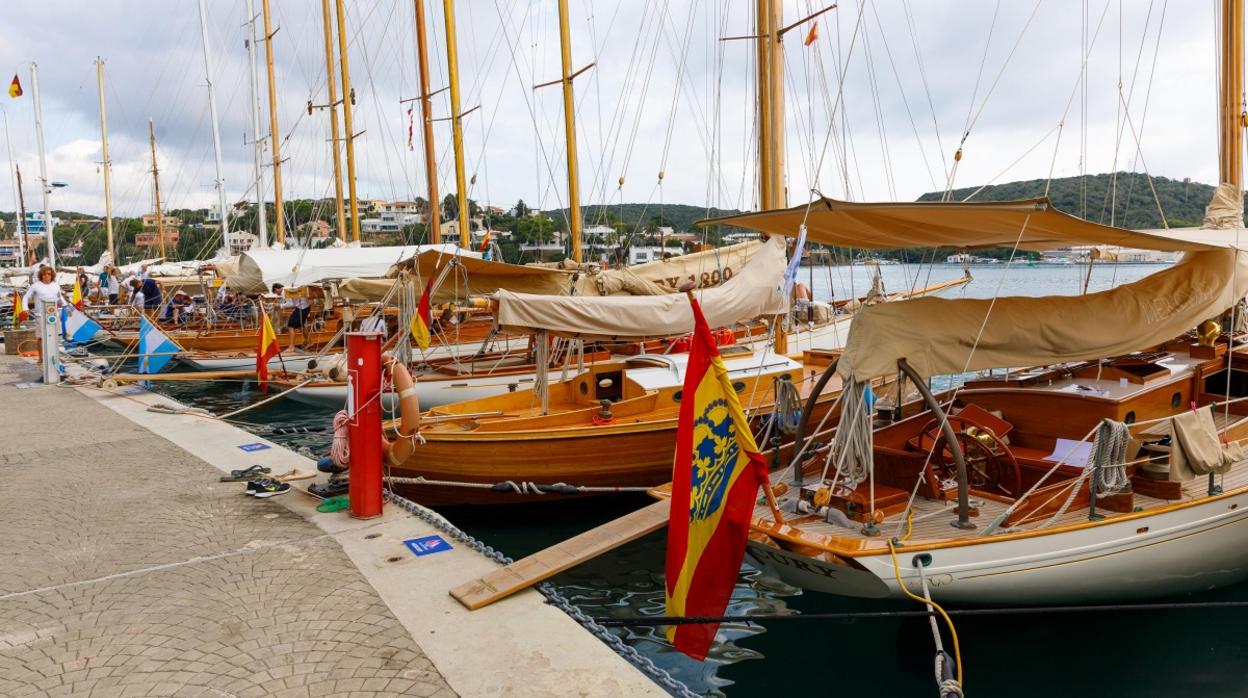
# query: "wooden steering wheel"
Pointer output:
{"type": "Point", "coordinates": [990, 464]}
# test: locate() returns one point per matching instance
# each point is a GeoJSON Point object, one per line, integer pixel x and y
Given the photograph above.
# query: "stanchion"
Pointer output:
{"type": "Point", "coordinates": [49, 342]}
{"type": "Point", "coordinates": [364, 428]}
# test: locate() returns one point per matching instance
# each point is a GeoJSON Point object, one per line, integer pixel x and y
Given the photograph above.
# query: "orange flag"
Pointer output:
{"type": "Point", "coordinates": [267, 349]}
{"type": "Point", "coordinates": [15, 88]}
{"type": "Point", "coordinates": [812, 34]}
{"type": "Point", "coordinates": [76, 298]}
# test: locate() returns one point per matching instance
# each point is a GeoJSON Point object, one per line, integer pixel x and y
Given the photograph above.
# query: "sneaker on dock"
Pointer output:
{"type": "Point", "coordinates": [261, 489]}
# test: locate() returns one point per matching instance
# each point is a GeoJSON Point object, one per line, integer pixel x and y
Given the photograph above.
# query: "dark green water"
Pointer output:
{"type": "Point", "coordinates": [1105, 654]}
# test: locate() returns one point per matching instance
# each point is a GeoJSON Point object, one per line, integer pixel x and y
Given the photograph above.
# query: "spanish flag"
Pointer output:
{"type": "Point", "coordinates": [76, 297]}
{"type": "Point", "coordinates": [485, 241]}
{"type": "Point", "coordinates": [715, 480]}
{"type": "Point", "coordinates": [423, 319]}
{"type": "Point", "coordinates": [267, 349]}
{"type": "Point", "coordinates": [812, 34]}
{"type": "Point", "coordinates": [15, 88]}
{"type": "Point", "coordinates": [19, 313]}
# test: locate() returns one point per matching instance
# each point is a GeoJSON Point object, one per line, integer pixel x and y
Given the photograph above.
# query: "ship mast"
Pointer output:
{"type": "Point", "coordinates": [219, 183]}
{"type": "Point", "coordinates": [433, 212]}
{"type": "Point", "coordinates": [1231, 160]}
{"type": "Point", "coordinates": [347, 98]}
{"type": "Point", "coordinates": [569, 129]}
{"type": "Point", "coordinates": [279, 222]}
{"type": "Point", "coordinates": [334, 138]}
{"type": "Point", "coordinates": [262, 224]}
{"type": "Point", "coordinates": [160, 218]}
{"type": "Point", "coordinates": [108, 164]}
{"type": "Point", "coordinates": [45, 185]}
{"type": "Point", "coordinates": [771, 190]}
{"type": "Point", "coordinates": [457, 129]}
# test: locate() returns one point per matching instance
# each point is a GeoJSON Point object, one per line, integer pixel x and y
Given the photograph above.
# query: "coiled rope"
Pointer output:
{"type": "Point", "coordinates": [340, 451]}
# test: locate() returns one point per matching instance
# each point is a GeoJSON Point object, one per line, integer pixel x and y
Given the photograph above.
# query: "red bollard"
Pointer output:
{"type": "Point", "coordinates": [364, 430]}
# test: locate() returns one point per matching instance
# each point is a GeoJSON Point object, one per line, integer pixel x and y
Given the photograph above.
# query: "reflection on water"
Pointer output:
{"type": "Point", "coordinates": [1116, 654]}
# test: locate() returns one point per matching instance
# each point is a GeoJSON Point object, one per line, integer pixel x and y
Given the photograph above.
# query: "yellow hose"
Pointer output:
{"type": "Point", "coordinates": [957, 651]}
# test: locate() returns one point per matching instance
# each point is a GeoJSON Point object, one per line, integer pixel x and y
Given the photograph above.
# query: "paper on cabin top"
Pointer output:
{"type": "Point", "coordinates": [1071, 452]}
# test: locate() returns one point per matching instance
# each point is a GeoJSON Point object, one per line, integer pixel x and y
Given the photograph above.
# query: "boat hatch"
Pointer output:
{"type": "Point", "coordinates": [1217, 383]}
{"type": "Point", "coordinates": [609, 385]}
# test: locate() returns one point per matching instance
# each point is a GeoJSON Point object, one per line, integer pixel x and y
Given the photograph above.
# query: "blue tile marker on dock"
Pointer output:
{"type": "Point", "coordinates": [254, 447]}
{"type": "Point", "coordinates": [427, 545]}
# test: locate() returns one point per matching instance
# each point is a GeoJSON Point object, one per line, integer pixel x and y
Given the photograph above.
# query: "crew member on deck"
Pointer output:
{"type": "Point", "coordinates": [300, 307]}
{"type": "Point", "coordinates": [136, 299]}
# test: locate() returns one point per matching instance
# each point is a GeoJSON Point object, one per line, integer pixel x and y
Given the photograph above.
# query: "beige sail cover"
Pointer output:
{"type": "Point", "coordinates": [756, 290]}
{"type": "Point", "coordinates": [483, 278]}
{"type": "Point", "coordinates": [707, 268]}
{"type": "Point", "coordinates": [936, 336]}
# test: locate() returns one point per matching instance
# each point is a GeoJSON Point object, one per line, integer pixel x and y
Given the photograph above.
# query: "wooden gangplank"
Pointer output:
{"type": "Point", "coordinates": [544, 564]}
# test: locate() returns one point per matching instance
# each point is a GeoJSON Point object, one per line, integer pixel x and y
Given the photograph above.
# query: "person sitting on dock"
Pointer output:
{"type": "Point", "coordinates": [45, 289]}
{"type": "Point", "coordinates": [300, 307]}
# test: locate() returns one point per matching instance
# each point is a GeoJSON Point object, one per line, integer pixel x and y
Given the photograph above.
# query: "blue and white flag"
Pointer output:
{"type": "Point", "coordinates": [790, 274]}
{"type": "Point", "coordinates": [78, 327]}
{"type": "Point", "coordinates": [155, 349]}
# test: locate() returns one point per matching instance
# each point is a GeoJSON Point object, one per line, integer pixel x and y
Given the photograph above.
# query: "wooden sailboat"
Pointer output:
{"type": "Point", "coordinates": [1084, 478]}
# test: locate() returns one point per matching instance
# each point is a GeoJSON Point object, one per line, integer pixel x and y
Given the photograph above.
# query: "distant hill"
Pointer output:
{"type": "Point", "coordinates": [679, 216]}
{"type": "Point", "coordinates": [1092, 198]}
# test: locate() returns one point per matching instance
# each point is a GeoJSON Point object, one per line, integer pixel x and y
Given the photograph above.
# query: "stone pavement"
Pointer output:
{"type": "Point", "coordinates": [269, 604]}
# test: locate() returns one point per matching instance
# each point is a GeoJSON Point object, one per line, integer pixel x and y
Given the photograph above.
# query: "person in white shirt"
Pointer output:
{"type": "Point", "coordinates": [44, 289]}
{"type": "Point", "coordinates": [114, 286]}
{"type": "Point", "coordinates": [300, 307]}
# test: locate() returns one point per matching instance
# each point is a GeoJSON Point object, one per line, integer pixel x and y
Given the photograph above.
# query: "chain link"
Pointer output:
{"type": "Point", "coordinates": [656, 673]}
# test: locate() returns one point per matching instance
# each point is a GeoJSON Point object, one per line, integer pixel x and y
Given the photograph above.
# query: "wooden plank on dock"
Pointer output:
{"type": "Point", "coordinates": [544, 564]}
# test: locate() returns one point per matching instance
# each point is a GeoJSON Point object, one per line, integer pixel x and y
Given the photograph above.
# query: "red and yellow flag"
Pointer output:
{"type": "Point", "coordinates": [15, 88]}
{"type": "Point", "coordinates": [423, 319]}
{"type": "Point", "coordinates": [76, 297]}
{"type": "Point", "coordinates": [715, 480]}
{"type": "Point", "coordinates": [267, 349]}
{"type": "Point", "coordinates": [485, 242]}
{"type": "Point", "coordinates": [812, 34]}
{"type": "Point", "coordinates": [19, 314]}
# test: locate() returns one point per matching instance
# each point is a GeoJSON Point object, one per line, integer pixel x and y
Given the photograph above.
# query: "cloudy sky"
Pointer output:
{"type": "Point", "coordinates": [875, 107]}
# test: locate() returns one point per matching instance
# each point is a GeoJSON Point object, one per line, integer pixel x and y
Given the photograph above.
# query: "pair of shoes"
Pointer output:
{"type": "Point", "coordinates": [333, 504]}
{"type": "Point", "coordinates": [262, 489]}
{"type": "Point", "coordinates": [251, 473]}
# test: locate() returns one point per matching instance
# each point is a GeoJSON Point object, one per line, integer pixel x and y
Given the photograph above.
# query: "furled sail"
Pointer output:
{"type": "Point", "coordinates": [480, 277]}
{"type": "Point", "coordinates": [757, 289]}
{"type": "Point", "coordinates": [945, 336]}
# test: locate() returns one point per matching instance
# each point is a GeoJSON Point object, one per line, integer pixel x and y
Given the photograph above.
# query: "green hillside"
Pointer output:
{"type": "Point", "coordinates": [679, 217]}
{"type": "Point", "coordinates": [1094, 197]}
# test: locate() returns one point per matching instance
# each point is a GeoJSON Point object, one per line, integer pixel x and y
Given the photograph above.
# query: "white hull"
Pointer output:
{"type": "Point", "coordinates": [431, 393]}
{"type": "Point", "coordinates": [1189, 549]}
{"type": "Point", "coordinates": [297, 362]}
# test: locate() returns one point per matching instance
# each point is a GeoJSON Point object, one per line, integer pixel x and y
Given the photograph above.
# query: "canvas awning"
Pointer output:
{"type": "Point", "coordinates": [1034, 224]}
{"type": "Point", "coordinates": [939, 336]}
{"type": "Point", "coordinates": [260, 269]}
{"type": "Point", "coordinates": [756, 290]}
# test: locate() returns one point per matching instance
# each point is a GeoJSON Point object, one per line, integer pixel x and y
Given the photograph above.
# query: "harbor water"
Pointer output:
{"type": "Point", "coordinates": [1156, 653]}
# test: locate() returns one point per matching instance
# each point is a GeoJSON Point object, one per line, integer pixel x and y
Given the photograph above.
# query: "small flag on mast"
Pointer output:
{"type": "Point", "coordinates": [79, 328]}
{"type": "Point", "coordinates": [812, 34]}
{"type": "Point", "coordinates": [76, 297]}
{"type": "Point", "coordinates": [423, 319]}
{"type": "Point", "coordinates": [19, 313]}
{"type": "Point", "coordinates": [156, 350]}
{"type": "Point", "coordinates": [15, 88]}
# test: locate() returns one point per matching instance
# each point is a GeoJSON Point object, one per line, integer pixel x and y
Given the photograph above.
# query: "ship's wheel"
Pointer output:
{"type": "Point", "coordinates": [990, 465]}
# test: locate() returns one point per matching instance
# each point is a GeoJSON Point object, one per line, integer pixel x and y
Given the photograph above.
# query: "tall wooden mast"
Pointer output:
{"type": "Point", "coordinates": [457, 129]}
{"type": "Point", "coordinates": [334, 136]}
{"type": "Point", "coordinates": [347, 98]}
{"type": "Point", "coordinates": [771, 190]}
{"type": "Point", "coordinates": [108, 180]}
{"type": "Point", "coordinates": [569, 129]}
{"type": "Point", "coordinates": [1231, 161]}
{"type": "Point", "coordinates": [160, 218]}
{"type": "Point", "coordinates": [433, 214]}
{"type": "Point", "coordinates": [275, 136]}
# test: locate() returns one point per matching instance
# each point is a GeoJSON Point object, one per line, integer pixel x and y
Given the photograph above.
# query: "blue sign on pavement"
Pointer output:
{"type": "Point", "coordinates": [254, 447]}
{"type": "Point", "coordinates": [427, 545]}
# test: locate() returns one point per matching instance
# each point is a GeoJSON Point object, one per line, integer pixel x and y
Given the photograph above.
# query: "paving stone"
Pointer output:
{"type": "Point", "coordinates": [91, 501]}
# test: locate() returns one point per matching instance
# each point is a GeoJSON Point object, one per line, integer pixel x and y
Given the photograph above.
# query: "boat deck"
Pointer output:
{"type": "Point", "coordinates": [933, 519]}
